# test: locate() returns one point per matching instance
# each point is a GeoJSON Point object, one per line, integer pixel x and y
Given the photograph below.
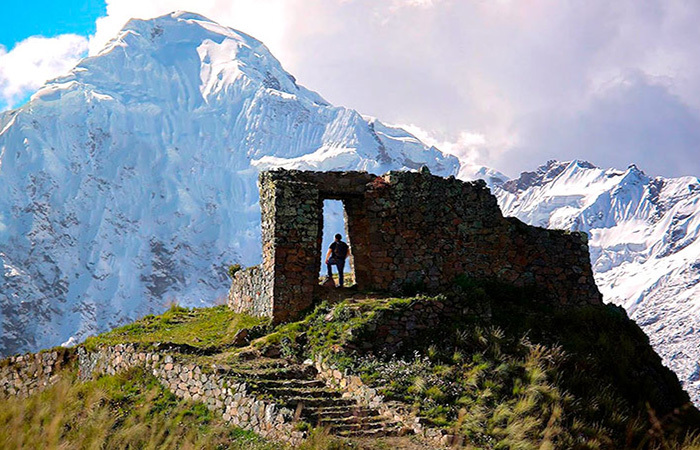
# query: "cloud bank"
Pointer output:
{"type": "Point", "coordinates": [35, 60]}
{"type": "Point", "coordinates": [502, 83]}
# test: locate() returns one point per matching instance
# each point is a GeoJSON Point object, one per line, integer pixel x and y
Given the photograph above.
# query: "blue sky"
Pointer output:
{"type": "Point", "coordinates": [42, 41]}
{"type": "Point", "coordinates": [48, 18]}
{"type": "Point", "coordinates": [505, 83]}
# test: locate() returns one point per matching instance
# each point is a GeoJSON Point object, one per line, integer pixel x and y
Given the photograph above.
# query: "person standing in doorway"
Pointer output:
{"type": "Point", "coordinates": [337, 253]}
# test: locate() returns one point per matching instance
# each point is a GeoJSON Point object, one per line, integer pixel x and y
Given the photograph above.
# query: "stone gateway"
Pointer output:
{"type": "Point", "coordinates": [404, 229]}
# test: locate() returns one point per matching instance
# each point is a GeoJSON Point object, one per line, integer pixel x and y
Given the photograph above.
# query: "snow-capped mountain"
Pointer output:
{"type": "Point", "coordinates": [130, 182]}
{"type": "Point", "coordinates": [492, 177]}
{"type": "Point", "coordinates": [644, 245]}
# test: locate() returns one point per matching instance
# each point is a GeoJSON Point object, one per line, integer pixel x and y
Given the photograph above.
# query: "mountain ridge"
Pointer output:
{"type": "Point", "coordinates": [644, 244]}
{"type": "Point", "coordinates": [130, 182]}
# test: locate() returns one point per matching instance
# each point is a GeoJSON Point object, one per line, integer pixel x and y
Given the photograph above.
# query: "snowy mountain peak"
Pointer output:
{"type": "Point", "coordinates": [492, 177]}
{"type": "Point", "coordinates": [644, 243]}
{"type": "Point", "coordinates": [204, 61]}
{"type": "Point", "coordinates": [185, 29]}
{"type": "Point", "coordinates": [545, 174]}
{"type": "Point", "coordinates": [130, 182]}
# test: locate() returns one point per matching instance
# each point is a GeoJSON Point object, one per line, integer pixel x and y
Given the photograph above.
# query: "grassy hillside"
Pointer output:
{"type": "Point", "coordinates": [522, 375]}
{"type": "Point", "coordinates": [132, 410]}
{"type": "Point", "coordinates": [519, 375]}
{"type": "Point", "coordinates": [127, 411]}
{"type": "Point", "coordinates": [206, 329]}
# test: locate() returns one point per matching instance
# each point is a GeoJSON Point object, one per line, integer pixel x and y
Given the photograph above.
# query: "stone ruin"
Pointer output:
{"type": "Point", "coordinates": [405, 230]}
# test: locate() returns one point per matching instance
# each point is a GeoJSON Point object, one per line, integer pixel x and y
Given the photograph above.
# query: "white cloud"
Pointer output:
{"type": "Point", "coordinates": [35, 60]}
{"type": "Point", "coordinates": [396, 5]}
{"type": "Point", "coordinates": [528, 77]}
{"type": "Point", "coordinates": [467, 146]}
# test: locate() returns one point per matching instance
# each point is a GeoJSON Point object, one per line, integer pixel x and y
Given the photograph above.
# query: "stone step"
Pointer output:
{"type": "Point", "coordinates": [290, 383]}
{"type": "Point", "coordinates": [286, 373]}
{"type": "Point", "coordinates": [346, 427]}
{"type": "Point", "coordinates": [352, 420]}
{"type": "Point", "coordinates": [337, 412]}
{"type": "Point", "coordinates": [265, 363]}
{"type": "Point", "coordinates": [286, 392]}
{"type": "Point", "coordinates": [292, 402]}
{"type": "Point", "coordinates": [390, 430]}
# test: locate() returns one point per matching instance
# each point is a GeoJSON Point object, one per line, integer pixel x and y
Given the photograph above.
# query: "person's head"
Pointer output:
{"type": "Point", "coordinates": [338, 237]}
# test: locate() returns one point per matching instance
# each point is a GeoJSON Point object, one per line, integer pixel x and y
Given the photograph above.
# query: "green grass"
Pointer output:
{"type": "Point", "coordinates": [127, 411]}
{"type": "Point", "coordinates": [326, 330]}
{"type": "Point", "coordinates": [204, 328]}
{"type": "Point", "coordinates": [526, 376]}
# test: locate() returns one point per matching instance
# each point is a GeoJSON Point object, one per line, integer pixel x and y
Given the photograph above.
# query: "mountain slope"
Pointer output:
{"type": "Point", "coordinates": [644, 245]}
{"type": "Point", "coordinates": [131, 181]}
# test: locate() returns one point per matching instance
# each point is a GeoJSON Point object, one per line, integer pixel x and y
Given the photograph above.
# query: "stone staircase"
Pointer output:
{"type": "Point", "coordinates": [297, 387]}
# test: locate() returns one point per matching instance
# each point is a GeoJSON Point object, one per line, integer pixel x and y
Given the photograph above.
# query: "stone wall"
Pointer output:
{"type": "Point", "coordinates": [428, 230]}
{"type": "Point", "coordinates": [355, 389]}
{"type": "Point", "coordinates": [26, 374]}
{"type": "Point", "coordinates": [407, 231]}
{"type": "Point", "coordinates": [296, 235]}
{"type": "Point", "coordinates": [223, 394]}
{"type": "Point", "coordinates": [252, 291]}
{"type": "Point", "coordinates": [220, 393]}
{"type": "Point", "coordinates": [392, 328]}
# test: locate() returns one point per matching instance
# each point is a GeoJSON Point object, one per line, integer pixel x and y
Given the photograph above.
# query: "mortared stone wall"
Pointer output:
{"type": "Point", "coordinates": [405, 230]}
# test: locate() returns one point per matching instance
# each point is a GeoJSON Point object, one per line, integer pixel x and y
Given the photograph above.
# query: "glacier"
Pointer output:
{"type": "Point", "coordinates": [644, 245]}
{"type": "Point", "coordinates": [130, 182]}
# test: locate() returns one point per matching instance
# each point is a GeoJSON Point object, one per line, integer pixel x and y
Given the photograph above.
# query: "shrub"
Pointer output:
{"type": "Point", "coordinates": [233, 269]}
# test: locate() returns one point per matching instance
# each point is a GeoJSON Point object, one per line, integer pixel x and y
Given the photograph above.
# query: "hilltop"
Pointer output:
{"type": "Point", "coordinates": [644, 244]}
{"type": "Point", "coordinates": [486, 365]}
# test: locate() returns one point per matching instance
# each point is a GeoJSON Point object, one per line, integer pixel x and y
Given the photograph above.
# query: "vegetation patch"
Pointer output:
{"type": "Point", "coordinates": [126, 411]}
{"type": "Point", "coordinates": [202, 328]}
{"type": "Point", "coordinates": [526, 375]}
{"type": "Point", "coordinates": [233, 269]}
{"type": "Point", "coordinates": [327, 330]}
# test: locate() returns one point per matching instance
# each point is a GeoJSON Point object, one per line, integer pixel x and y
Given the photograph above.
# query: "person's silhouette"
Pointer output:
{"type": "Point", "coordinates": [337, 253]}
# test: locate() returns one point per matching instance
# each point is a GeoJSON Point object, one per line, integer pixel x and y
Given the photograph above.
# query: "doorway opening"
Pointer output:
{"type": "Point", "coordinates": [335, 221]}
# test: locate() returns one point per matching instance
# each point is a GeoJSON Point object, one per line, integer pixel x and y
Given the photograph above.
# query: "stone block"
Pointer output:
{"type": "Point", "coordinates": [403, 227]}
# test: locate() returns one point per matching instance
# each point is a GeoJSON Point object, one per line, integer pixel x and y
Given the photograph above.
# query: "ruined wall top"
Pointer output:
{"type": "Point", "coordinates": [331, 185]}
{"type": "Point", "coordinates": [405, 229]}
